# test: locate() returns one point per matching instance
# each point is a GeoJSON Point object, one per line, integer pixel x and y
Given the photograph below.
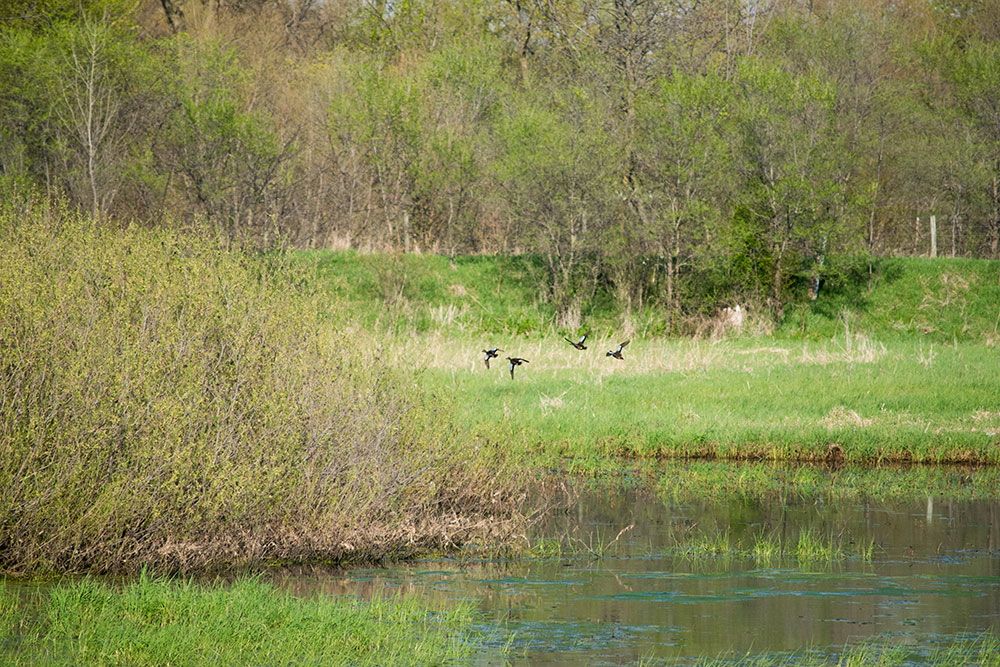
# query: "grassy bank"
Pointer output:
{"type": "Point", "coordinates": [687, 481]}
{"type": "Point", "coordinates": [171, 402]}
{"type": "Point", "coordinates": [158, 622]}
{"type": "Point", "coordinates": [941, 300]}
{"type": "Point", "coordinates": [858, 400]}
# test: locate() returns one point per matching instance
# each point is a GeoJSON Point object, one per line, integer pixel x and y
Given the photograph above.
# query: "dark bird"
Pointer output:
{"type": "Point", "coordinates": [491, 353]}
{"type": "Point", "coordinates": [579, 345]}
{"type": "Point", "coordinates": [515, 361]}
{"type": "Point", "coordinates": [617, 354]}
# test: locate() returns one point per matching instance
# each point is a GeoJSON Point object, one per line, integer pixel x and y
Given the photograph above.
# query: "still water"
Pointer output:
{"type": "Point", "coordinates": [613, 597]}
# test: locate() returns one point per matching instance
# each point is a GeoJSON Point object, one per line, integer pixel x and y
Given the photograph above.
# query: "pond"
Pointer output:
{"type": "Point", "coordinates": [623, 575]}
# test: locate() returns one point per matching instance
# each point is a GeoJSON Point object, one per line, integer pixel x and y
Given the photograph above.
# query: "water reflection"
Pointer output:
{"type": "Point", "coordinates": [935, 574]}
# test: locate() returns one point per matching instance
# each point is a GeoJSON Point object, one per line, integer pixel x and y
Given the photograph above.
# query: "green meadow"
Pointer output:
{"type": "Point", "coordinates": [942, 300]}
{"type": "Point", "coordinates": [742, 399]}
{"type": "Point", "coordinates": [899, 366]}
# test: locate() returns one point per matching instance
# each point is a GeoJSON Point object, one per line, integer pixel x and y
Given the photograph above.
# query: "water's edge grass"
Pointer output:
{"type": "Point", "coordinates": [982, 650]}
{"type": "Point", "coordinates": [156, 621]}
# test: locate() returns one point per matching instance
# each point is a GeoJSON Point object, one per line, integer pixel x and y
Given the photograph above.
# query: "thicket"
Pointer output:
{"type": "Point", "coordinates": [687, 154]}
{"type": "Point", "coordinates": [166, 400]}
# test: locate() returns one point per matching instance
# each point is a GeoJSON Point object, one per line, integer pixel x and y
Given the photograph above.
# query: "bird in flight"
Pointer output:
{"type": "Point", "coordinates": [579, 345]}
{"type": "Point", "coordinates": [491, 353]}
{"type": "Point", "coordinates": [515, 361]}
{"type": "Point", "coordinates": [617, 354]}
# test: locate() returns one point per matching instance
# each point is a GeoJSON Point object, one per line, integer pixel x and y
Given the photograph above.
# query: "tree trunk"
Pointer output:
{"type": "Point", "coordinates": [995, 222]}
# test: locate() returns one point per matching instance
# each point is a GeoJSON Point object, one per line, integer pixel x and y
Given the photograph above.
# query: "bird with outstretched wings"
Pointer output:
{"type": "Point", "coordinates": [579, 344]}
{"type": "Point", "coordinates": [515, 361]}
{"type": "Point", "coordinates": [617, 354]}
{"type": "Point", "coordinates": [491, 353]}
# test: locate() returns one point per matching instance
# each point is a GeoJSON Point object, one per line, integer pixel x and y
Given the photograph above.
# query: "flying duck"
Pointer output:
{"type": "Point", "coordinates": [491, 353]}
{"type": "Point", "coordinates": [515, 361]}
{"type": "Point", "coordinates": [617, 354]}
{"type": "Point", "coordinates": [579, 345]}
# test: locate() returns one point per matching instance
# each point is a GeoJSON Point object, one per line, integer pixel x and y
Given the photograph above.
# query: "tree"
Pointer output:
{"type": "Point", "coordinates": [89, 105]}
{"type": "Point", "coordinates": [685, 161]}
{"type": "Point", "coordinates": [972, 69]}
{"type": "Point", "coordinates": [377, 121]}
{"type": "Point", "coordinates": [555, 167]}
{"type": "Point", "coordinates": [226, 162]}
{"type": "Point", "coordinates": [794, 198]}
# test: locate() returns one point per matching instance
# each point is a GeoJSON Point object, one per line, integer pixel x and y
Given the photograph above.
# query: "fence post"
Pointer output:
{"type": "Point", "coordinates": [933, 236]}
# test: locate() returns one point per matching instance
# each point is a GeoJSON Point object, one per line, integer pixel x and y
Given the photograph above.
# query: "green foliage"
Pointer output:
{"type": "Point", "coordinates": [42, 15]}
{"type": "Point", "coordinates": [183, 405]}
{"type": "Point", "coordinates": [152, 621]}
{"type": "Point", "coordinates": [556, 174]}
{"type": "Point", "coordinates": [78, 97]}
{"type": "Point", "coordinates": [227, 160]}
{"type": "Point", "coordinates": [691, 163]}
{"type": "Point", "coordinates": [684, 146]}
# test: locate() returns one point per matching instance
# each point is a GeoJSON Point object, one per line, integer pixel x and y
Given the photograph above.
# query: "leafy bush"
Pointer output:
{"type": "Point", "coordinates": [166, 400]}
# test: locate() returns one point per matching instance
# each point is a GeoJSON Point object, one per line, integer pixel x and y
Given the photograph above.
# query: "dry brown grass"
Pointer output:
{"type": "Point", "coordinates": [553, 355]}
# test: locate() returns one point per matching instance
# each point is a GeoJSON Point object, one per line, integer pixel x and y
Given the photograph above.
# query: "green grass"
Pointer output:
{"type": "Point", "coordinates": [982, 650]}
{"type": "Point", "coordinates": [686, 481]}
{"type": "Point", "coordinates": [159, 622]}
{"type": "Point", "coordinates": [769, 550]}
{"type": "Point", "coordinates": [934, 300]}
{"type": "Point", "coordinates": [862, 401]}
{"type": "Point", "coordinates": [421, 293]}
{"type": "Point", "coordinates": [903, 371]}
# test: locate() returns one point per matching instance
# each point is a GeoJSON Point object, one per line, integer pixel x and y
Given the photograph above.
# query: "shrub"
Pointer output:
{"type": "Point", "coordinates": [168, 401]}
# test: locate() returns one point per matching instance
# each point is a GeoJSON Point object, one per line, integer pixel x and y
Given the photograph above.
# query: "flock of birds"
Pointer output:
{"type": "Point", "coordinates": [494, 352]}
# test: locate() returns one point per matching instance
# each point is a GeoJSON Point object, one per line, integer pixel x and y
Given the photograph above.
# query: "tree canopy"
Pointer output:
{"type": "Point", "coordinates": [691, 153]}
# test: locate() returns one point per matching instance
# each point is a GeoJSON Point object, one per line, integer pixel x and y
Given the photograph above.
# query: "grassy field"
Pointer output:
{"type": "Point", "coordinates": [161, 622]}
{"type": "Point", "coordinates": [855, 400]}
{"type": "Point", "coordinates": [900, 368]}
